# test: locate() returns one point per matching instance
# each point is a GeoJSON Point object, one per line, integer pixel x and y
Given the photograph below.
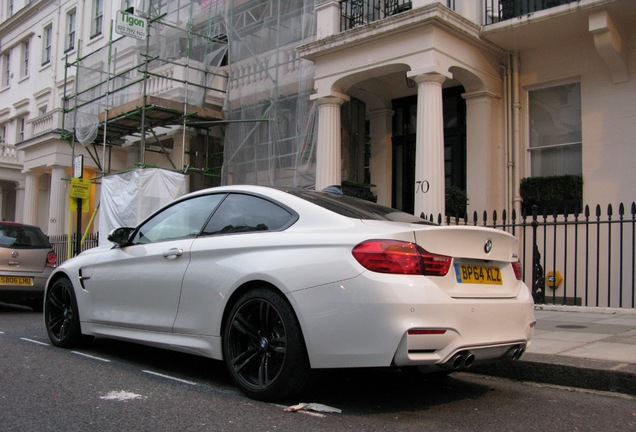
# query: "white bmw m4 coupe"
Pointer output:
{"type": "Point", "coordinates": [279, 282]}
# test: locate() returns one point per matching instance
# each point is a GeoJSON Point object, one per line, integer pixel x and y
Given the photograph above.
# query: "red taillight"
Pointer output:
{"type": "Point", "coordinates": [51, 259]}
{"type": "Point", "coordinates": [398, 257]}
{"type": "Point", "coordinates": [516, 266]}
{"type": "Point", "coordinates": [434, 265]}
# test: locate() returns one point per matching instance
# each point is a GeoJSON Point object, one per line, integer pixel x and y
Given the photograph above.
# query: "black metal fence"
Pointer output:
{"type": "Point", "coordinates": [61, 245]}
{"type": "Point", "coordinates": [499, 10]}
{"type": "Point", "coordinates": [355, 13]}
{"type": "Point", "coordinates": [581, 258]}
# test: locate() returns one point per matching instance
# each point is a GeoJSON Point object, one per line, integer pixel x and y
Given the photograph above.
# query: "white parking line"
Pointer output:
{"type": "Point", "coordinates": [169, 377]}
{"type": "Point", "coordinates": [91, 357]}
{"type": "Point", "coordinates": [34, 341]}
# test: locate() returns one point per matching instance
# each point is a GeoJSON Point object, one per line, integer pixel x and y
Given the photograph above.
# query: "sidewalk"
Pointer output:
{"type": "Point", "coordinates": [593, 348]}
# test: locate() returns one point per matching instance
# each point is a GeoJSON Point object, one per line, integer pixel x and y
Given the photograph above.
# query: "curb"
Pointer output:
{"type": "Point", "coordinates": [565, 371]}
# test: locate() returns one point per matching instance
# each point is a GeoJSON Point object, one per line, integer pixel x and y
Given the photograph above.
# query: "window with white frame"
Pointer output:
{"type": "Point", "coordinates": [10, 8]}
{"type": "Point", "coordinates": [555, 130]}
{"type": "Point", "coordinates": [6, 69]}
{"type": "Point", "coordinates": [71, 17]}
{"type": "Point", "coordinates": [21, 128]}
{"type": "Point", "coordinates": [3, 133]}
{"type": "Point", "coordinates": [98, 17]}
{"type": "Point", "coordinates": [47, 38]}
{"type": "Point", "coordinates": [24, 70]}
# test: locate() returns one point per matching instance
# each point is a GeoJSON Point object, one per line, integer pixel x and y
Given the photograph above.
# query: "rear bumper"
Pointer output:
{"type": "Point", "coordinates": [484, 330]}
{"type": "Point", "coordinates": [382, 320]}
{"type": "Point", "coordinates": [16, 292]}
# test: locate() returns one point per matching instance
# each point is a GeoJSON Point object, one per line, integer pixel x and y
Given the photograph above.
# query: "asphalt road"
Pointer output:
{"type": "Point", "coordinates": [115, 386]}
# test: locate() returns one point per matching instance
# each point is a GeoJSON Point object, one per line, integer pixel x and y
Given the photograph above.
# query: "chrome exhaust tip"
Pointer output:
{"type": "Point", "coordinates": [457, 360]}
{"type": "Point", "coordinates": [518, 353]}
{"type": "Point", "coordinates": [469, 359]}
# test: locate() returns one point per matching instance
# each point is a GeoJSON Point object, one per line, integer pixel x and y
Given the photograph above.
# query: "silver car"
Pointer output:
{"type": "Point", "coordinates": [26, 261]}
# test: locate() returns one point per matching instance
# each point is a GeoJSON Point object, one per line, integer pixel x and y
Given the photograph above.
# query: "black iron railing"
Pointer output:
{"type": "Point", "coordinates": [582, 258]}
{"type": "Point", "coordinates": [355, 13]}
{"type": "Point", "coordinates": [60, 244]}
{"type": "Point", "coordinates": [579, 258]}
{"type": "Point", "coordinates": [500, 10]}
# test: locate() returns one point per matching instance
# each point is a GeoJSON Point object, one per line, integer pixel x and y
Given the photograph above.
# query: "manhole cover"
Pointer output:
{"type": "Point", "coordinates": [571, 326]}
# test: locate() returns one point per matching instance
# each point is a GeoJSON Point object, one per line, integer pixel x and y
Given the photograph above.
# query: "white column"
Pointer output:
{"type": "Point", "coordinates": [19, 201]}
{"type": "Point", "coordinates": [31, 187]}
{"type": "Point", "coordinates": [328, 151]}
{"type": "Point", "coordinates": [381, 160]}
{"type": "Point", "coordinates": [429, 147]}
{"type": "Point", "coordinates": [484, 154]}
{"type": "Point", "coordinates": [57, 202]}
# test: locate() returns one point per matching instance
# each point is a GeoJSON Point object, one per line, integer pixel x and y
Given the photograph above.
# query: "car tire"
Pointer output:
{"type": "Point", "coordinates": [61, 315]}
{"type": "Point", "coordinates": [263, 347]}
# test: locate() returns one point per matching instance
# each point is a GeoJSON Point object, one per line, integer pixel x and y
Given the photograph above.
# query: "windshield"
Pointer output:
{"type": "Point", "coordinates": [23, 237]}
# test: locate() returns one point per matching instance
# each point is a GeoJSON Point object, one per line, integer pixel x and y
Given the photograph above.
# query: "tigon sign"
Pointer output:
{"type": "Point", "coordinates": [131, 25]}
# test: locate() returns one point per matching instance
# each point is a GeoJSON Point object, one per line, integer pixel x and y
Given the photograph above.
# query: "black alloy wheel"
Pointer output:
{"type": "Point", "coordinates": [263, 347]}
{"type": "Point", "coordinates": [61, 315]}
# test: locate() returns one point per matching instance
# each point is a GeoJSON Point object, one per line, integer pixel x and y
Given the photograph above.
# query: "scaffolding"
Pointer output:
{"type": "Point", "coordinates": [216, 88]}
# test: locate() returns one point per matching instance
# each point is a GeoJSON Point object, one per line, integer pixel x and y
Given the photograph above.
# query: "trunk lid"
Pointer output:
{"type": "Point", "coordinates": [482, 260]}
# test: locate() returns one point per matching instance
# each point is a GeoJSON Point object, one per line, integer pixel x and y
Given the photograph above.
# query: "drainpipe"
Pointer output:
{"type": "Point", "coordinates": [516, 140]}
{"type": "Point", "coordinates": [507, 127]}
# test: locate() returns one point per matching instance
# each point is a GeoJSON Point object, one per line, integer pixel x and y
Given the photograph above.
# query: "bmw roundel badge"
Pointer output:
{"type": "Point", "coordinates": [488, 246]}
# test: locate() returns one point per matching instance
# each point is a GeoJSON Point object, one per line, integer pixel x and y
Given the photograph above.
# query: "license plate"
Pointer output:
{"type": "Point", "coordinates": [478, 274]}
{"type": "Point", "coordinates": [16, 280]}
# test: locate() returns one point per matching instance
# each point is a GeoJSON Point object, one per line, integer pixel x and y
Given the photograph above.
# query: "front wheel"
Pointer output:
{"type": "Point", "coordinates": [263, 347]}
{"type": "Point", "coordinates": [61, 315]}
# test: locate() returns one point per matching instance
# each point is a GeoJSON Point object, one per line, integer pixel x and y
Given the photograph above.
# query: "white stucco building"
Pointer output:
{"type": "Point", "coordinates": [404, 98]}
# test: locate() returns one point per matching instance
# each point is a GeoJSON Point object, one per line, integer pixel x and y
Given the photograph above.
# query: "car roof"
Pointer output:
{"type": "Point", "coordinates": [17, 224]}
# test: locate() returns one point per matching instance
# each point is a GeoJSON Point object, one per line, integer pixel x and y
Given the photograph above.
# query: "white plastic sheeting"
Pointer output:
{"type": "Point", "coordinates": [130, 197]}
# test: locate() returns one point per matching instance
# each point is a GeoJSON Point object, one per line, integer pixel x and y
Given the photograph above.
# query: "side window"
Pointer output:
{"type": "Point", "coordinates": [181, 220]}
{"type": "Point", "coordinates": [247, 213]}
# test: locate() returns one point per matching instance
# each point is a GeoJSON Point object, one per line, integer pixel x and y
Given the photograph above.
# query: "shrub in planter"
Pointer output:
{"type": "Point", "coordinates": [456, 202]}
{"type": "Point", "coordinates": [561, 193]}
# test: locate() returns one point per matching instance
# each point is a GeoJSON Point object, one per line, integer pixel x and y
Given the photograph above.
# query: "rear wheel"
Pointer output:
{"type": "Point", "coordinates": [61, 315]}
{"type": "Point", "coordinates": [263, 347]}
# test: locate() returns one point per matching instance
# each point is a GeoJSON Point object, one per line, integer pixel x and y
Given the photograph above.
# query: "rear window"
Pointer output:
{"type": "Point", "coordinates": [23, 237]}
{"type": "Point", "coordinates": [356, 208]}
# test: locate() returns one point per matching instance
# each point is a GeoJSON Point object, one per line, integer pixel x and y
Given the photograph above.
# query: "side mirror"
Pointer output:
{"type": "Point", "coordinates": [120, 236]}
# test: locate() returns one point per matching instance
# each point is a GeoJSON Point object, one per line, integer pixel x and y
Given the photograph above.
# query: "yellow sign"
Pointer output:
{"type": "Point", "coordinates": [554, 279]}
{"type": "Point", "coordinates": [73, 205]}
{"type": "Point", "coordinates": [80, 188]}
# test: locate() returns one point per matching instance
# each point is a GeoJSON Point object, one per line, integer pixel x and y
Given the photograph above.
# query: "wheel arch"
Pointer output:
{"type": "Point", "coordinates": [253, 284]}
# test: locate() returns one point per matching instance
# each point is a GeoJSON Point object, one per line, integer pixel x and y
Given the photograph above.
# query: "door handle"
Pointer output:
{"type": "Point", "coordinates": [173, 253]}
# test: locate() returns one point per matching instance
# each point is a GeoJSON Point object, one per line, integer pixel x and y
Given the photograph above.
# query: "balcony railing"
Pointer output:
{"type": "Point", "coordinates": [8, 154]}
{"type": "Point", "coordinates": [500, 10]}
{"type": "Point", "coordinates": [355, 13]}
{"type": "Point", "coordinates": [45, 123]}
